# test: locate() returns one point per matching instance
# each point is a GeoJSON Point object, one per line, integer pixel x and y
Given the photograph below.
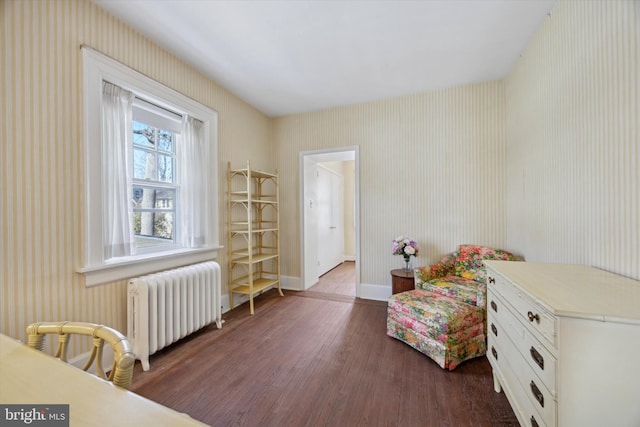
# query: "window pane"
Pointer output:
{"type": "Point", "coordinates": [153, 228]}
{"type": "Point", "coordinates": [153, 198]}
{"type": "Point", "coordinates": [165, 140]}
{"type": "Point", "coordinates": [159, 234]}
{"type": "Point", "coordinates": [146, 198]}
{"type": "Point", "coordinates": [154, 225]}
{"type": "Point", "coordinates": [138, 193]}
{"type": "Point", "coordinates": [144, 164]}
{"type": "Point", "coordinates": [165, 199]}
{"type": "Point", "coordinates": [143, 135]}
{"type": "Point", "coordinates": [163, 225]}
{"type": "Point", "coordinates": [165, 168]}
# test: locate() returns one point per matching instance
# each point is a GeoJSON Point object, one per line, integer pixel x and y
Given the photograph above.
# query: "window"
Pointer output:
{"type": "Point", "coordinates": [154, 184]}
{"type": "Point", "coordinates": [151, 186]}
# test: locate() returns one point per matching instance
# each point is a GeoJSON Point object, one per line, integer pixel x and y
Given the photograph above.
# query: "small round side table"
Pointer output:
{"type": "Point", "coordinates": [401, 280]}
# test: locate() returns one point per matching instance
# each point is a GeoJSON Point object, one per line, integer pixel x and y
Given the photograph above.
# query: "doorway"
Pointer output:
{"type": "Point", "coordinates": [330, 233]}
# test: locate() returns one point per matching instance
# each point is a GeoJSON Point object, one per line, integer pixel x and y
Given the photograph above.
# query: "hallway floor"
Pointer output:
{"type": "Point", "coordinates": [341, 280]}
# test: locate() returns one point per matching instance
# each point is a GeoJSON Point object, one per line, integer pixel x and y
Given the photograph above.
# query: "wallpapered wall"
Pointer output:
{"type": "Point", "coordinates": [42, 153]}
{"type": "Point", "coordinates": [573, 117]}
{"type": "Point", "coordinates": [431, 167]}
{"type": "Point", "coordinates": [544, 163]}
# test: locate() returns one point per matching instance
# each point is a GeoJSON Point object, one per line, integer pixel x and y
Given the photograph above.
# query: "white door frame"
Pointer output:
{"type": "Point", "coordinates": [327, 155]}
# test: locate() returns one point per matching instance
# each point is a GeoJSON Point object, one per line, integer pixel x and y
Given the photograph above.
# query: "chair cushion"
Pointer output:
{"type": "Point", "coordinates": [468, 264]}
{"type": "Point", "coordinates": [435, 315]}
{"type": "Point", "coordinates": [459, 288]}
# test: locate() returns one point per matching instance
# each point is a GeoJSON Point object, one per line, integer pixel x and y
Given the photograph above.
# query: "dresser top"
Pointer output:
{"type": "Point", "coordinates": [574, 290]}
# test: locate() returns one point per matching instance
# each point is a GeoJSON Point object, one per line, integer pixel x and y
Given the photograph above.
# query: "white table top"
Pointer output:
{"type": "Point", "coordinates": [574, 290]}
{"type": "Point", "coordinates": [28, 376]}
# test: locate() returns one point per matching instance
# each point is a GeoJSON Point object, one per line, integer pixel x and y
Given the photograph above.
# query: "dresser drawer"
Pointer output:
{"type": "Point", "coordinates": [501, 320]}
{"type": "Point", "coordinates": [541, 398]}
{"type": "Point", "coordinates": [499, 345]}
{"type": "Point", "coordinates": [540, 360]}
{"type": "Point", "coordinates": [537, 319]}
{"type": "Point", "coordinates": [498, 312]}
{"type": "Point", "coordinates": [506, 362]}
{"type": "Point", "coordinates": [531, 416]}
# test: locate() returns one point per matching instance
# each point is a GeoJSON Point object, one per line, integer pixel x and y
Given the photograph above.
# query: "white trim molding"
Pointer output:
{"type": "Point", "coordinates": [96, 69]}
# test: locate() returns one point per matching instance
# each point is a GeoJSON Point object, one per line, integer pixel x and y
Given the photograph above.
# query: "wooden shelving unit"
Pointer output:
{"type": "Point", "coordinates": [254, 232]}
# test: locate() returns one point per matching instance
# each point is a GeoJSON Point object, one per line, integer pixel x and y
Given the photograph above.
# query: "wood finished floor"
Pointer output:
{"type": "Point", "coordinates": [316, 359]}
{"type": "Point", "coordinates": [340, 280]}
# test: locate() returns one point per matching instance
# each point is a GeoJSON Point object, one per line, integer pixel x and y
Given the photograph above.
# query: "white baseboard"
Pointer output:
{"type": "Point", "coordinates": [375, 292]}
{"type": "Point", "coordinates": [291, 283]}
{"type": "Point", "coordinates": [237, 300]}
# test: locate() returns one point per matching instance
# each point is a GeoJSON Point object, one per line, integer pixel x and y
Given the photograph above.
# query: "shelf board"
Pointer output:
{"type": "Point", "coordinates": [256, 201]}
{"type": "Point", "coordinates": [255, 230]}
{"type": "Point", "coordinates": [255, 258]}
{"type": "Point", "coordinates": [245, 196]}
{"type": "Point", "coordinates": [258, 285]}
{"type": "Point", "coordinates": [254, 173]}
{"type": "Point", "coordinates": [254, 223]}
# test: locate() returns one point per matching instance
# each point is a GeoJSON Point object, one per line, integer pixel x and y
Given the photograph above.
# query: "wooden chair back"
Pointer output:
{"type": "Point", "coordinates": [121, 372]}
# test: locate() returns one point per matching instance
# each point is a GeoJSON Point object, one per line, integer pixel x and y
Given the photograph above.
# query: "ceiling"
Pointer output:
{"type": "Point", "coordinates": [292, 56]}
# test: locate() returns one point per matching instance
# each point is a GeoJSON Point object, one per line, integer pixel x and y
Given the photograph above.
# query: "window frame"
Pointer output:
{"type": "Point", "coordinates": [96, 270]}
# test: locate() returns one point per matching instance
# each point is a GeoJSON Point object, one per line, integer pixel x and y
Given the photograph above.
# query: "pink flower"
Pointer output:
{"type": "Point", "coordinates": [404, 246]}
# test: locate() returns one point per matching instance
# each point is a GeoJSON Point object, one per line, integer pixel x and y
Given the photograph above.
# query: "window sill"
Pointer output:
{"type": "Point", "coordinates": [144, 264]}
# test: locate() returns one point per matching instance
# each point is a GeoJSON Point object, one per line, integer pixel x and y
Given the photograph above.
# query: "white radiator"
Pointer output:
{"type": "Point", "coordinates": [167, 306]}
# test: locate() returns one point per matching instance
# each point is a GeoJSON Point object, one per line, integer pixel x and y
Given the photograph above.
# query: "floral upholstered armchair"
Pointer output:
{"type": "Point", "coordinates": [444, 316]}
{"type": "Point", "coordinates": [461, 274]}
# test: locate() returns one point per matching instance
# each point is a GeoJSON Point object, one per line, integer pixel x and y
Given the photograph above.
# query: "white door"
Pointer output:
{"type": "Point", "coordinates": [330, 219]}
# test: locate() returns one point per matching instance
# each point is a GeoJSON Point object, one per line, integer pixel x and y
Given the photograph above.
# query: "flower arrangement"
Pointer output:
{"type": "Point", "coordinates": [406, 247]}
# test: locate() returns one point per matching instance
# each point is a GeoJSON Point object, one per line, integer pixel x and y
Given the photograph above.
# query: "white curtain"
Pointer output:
{"type": "Point", "coordinates": [117, 141]}
{"type": "Point", "coordinates": [192, 153]}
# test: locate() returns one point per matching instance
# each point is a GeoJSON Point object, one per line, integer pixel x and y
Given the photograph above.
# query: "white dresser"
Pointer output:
{"type": "Point", "coordinates": [564, 343]}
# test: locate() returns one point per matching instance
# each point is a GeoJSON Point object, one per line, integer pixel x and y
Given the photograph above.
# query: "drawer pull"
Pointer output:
{"type": "Point", "coordinates": [537, 357]}
{"type": "Point", "coordinates": [492, 280]}
{"type": "Point", "coordinates": [494, 352]}
{"type": "Point", "coordinates": [537, 393]}
{"type": "Point", "coordinates": [495, 330]}
{"type": "Point", "coordinates": [534, 423]}
{"type": "Point", "coordinates": [494, 306]}
{"type": "Point", "coordinates": [533, 317]}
